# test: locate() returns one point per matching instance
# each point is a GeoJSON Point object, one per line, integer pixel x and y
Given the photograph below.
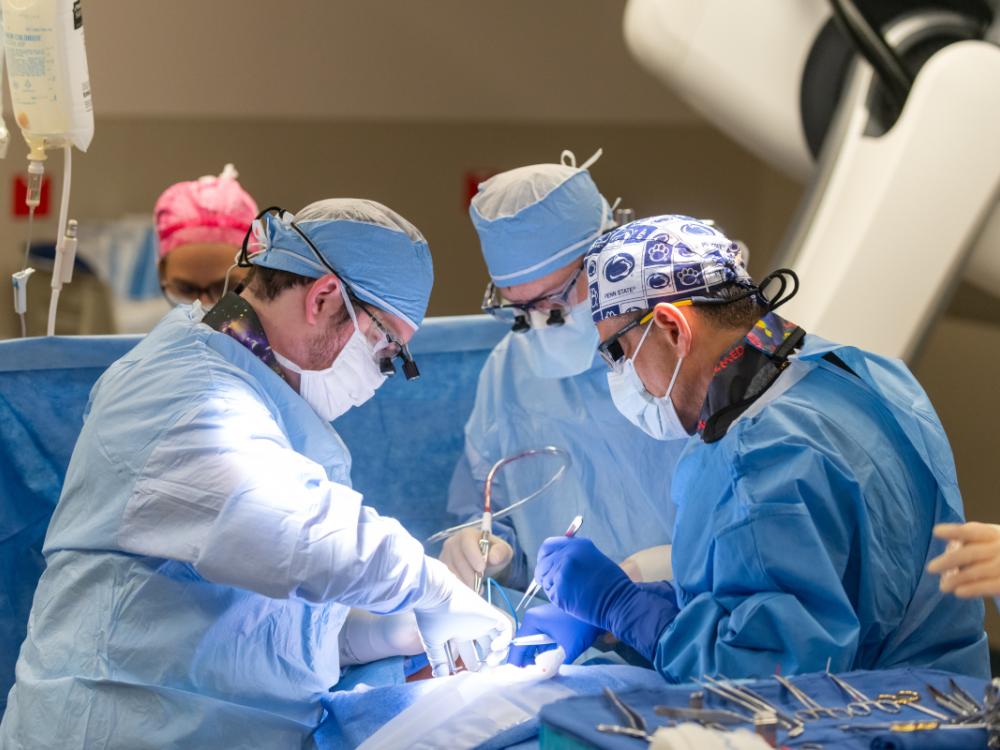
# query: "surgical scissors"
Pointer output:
{"type": "Point", "coordinates": [812, 710]}
{"type": "Point", "coordinates": [911, 698]}
{"type": "Point", "coordinates": [861, 704]}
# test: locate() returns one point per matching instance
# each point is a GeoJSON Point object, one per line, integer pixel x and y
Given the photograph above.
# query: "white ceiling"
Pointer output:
{"type": "Point", "coordinates": [510, 60]}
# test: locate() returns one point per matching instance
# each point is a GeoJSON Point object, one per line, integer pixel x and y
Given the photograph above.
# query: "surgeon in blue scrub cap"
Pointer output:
{"type": "Point", "coordinates": [806, 496]}
{"type": "Point", "coordinates": [207, 548]}
{"type": "Point", "coordinates": [544, 384]}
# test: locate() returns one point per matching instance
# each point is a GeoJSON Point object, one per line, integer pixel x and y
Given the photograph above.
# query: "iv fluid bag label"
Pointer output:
{"type": "Point", "coordinates": [47, 71]}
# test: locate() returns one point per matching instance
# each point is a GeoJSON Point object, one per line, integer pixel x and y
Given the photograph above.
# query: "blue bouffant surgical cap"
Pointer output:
{"type": "Point", "coordinates": [383, 258]}
{"type": "Point", "coordinates": [534, 220]}
{"type": "Point", "coordinates": [669, 258]}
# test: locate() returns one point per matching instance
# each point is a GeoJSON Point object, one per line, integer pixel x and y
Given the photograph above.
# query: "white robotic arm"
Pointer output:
{"type": "Point", "coordinates": [903, 199]}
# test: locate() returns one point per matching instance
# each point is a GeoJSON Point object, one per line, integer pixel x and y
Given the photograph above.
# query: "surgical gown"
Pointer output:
{"type": "Point", "coordinates": [619, 480]}
{"type": "Point", "coordinates": [802, 534]}
{"type": "Point", "coordinates": [203, 556]}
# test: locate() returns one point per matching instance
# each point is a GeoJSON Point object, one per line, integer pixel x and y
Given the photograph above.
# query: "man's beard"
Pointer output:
{"type": "Point", "coordinates": [325, 347]}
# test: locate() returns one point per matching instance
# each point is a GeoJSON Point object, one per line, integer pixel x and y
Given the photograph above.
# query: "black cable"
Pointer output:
{"type": "Point", "coordinates": [874, 48]}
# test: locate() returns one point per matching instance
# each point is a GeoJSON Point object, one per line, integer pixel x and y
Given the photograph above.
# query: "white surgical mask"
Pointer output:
{"type": "Point", "coordinates": [655, 416]}
{"type": "Point", "coordinates": [562, 351]}
{"type": "Point", "coordinates": [351, 380]}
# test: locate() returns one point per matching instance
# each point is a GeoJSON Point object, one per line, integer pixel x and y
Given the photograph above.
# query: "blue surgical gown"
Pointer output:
{"type": "Point", "coordinates": [204, 553]}
{"type": "Point", "coordinates": [803, 533]}
{"type": "Point", "coordinates": [619, 480]}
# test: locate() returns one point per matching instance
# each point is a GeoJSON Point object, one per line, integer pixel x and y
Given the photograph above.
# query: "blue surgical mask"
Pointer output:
{"type": "Point", "coordinates": [656, 416]}
{"type": "Point", "coordinates": [562, 351]}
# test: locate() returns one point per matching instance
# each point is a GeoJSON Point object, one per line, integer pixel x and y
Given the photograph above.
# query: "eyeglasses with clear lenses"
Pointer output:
{"type": "Point", "coordinates": [185, 293]}
{"type": "Point", "coordinates": [611, 349]}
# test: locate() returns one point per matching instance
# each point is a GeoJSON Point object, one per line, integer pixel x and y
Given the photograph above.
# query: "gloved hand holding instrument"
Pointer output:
{"type": "Point", "coordinates": [575, 636]}
{"type": "Point", "coordinates": [583, 582]}
{"type": "Point", "coordinates": [456, 617]}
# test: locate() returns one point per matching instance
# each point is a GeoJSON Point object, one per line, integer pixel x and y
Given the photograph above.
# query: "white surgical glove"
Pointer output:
{"type": "Point", "coordinates": [460, 616]}
{"type": "Point", "coordinates": [463, 557]}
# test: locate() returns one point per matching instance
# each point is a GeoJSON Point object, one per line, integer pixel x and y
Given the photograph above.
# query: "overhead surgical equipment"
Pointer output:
{"type": "Point", "coordinates": [574, 527]}
{"type": "Point", "coordinates": [50, 92]}
{"type": "Point", "coordinates": [883, 174]}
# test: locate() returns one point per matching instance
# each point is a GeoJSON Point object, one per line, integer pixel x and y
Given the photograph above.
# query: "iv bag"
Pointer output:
{"type": "Point", "coordinates": [4, 134]}
{"type": "Point", "coordinates": [47, 72]}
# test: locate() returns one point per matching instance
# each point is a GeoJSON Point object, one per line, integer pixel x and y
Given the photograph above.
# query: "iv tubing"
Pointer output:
{"type": "Point", "coordinates": [61, 236]}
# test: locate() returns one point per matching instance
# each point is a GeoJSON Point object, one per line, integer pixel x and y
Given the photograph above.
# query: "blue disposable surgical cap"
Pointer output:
{"type": "Point", "coordinates": [382, 257]}
{"type": "Point", "coordinates": [534, 220]}
{"type": "Point", "coordinates": [669, 258]}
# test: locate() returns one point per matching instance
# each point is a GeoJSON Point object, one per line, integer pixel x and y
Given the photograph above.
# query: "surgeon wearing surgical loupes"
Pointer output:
{"type": "Point", "coordinates": [207, 545]}
{"type": "Point", "coordinates": [544, 384]}
{"type": "Point", "coordinates": [807, 492]}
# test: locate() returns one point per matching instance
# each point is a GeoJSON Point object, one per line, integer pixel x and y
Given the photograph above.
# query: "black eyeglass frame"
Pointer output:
{"type": "Point", "coordinates": [612, 352]}
{"type": "Point", "coordinates": [517, 313]}
{"type": "Point", "coordinates": [611, 349]}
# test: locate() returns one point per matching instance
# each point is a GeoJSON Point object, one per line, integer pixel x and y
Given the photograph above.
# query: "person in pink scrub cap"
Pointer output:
{"type": "Point", "coordinates": [200, 225]}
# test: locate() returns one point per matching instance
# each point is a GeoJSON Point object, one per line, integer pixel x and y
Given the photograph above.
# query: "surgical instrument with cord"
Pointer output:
{"type": "Point", "coordinates": [485, 522]}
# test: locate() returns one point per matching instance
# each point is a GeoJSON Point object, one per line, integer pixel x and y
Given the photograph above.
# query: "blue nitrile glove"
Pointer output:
{"type": "Point", "coordinates": [585, 583]}
{"type": "Point", "coordinates": [575, 636]}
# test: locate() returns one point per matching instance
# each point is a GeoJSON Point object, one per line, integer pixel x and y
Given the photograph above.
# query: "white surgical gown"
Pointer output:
{"type": "Point", "coordinates": [619, 480]}
{"type": "Point", "coordinates": [203, 556]}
